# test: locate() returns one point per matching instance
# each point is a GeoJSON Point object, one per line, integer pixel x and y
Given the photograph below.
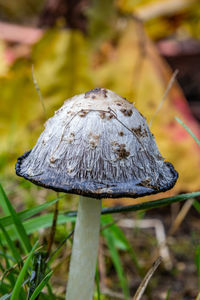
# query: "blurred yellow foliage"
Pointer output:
{"type": "Point", "coordinates": [163, 18]}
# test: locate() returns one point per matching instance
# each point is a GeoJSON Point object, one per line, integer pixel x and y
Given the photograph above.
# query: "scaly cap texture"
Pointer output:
{"type": "Point", "coordinates": [99, 145]}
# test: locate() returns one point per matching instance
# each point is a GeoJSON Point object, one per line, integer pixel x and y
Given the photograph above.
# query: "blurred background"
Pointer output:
{"type": "Point", "coordinates": [60, 48]}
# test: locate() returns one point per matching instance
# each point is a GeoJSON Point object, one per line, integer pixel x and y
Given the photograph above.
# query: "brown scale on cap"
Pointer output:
{"type": "Point", "coordinates": [95, 91]}
{"type": "Point", "coordinates": [127, 112]}
{"type": "Point", "coordinates": [79, 155]}
{"type": "Point", "coordinates": [102, 114]}
{"type": "Point", "coordinates": [71, 137]}
{"type": "Point", "coordinates": [82, 113]}
{"type": "Point", "coordinates": [139, 131]}
{"type": "Point", "coordinates": [93, 140]}
{"type": "Point", "coordinates": [110, 116]}
{"type": "Point", "coordinates": [122, 152]}
{"type": "Point", "coordinates": [147, 183]}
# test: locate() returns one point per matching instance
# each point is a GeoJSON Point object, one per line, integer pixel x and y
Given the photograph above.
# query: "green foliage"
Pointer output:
{"type": "Point", "coordinates": [40, 286]}
{"type": "Point", "coordinates": [11, 261]}
{"type": "Point", "coordinates": [98, 284]}
{"type": "Point", "coordinates": [18, 227]}
{"type": "Point", "coordinates": [110, 235]}
{"type": "Point", "coordinates": [196, 204]}
{"type": "Point", "coordinates": [120, 240]}
{"type": "Point", "coordinates": [11, 245]}
{"type": "Point", "coordinates": [6, 221]}
{"type": "Point", "coordinates": [197, 259]}
{"type": "Point", "coordinates": [14, 277]}
{"type": "Point", "coordinates": [19, 281]}
{"type": "Point", "coordinates": [144, 205]}
{"type": "Point", "coordinates": [168, 295]}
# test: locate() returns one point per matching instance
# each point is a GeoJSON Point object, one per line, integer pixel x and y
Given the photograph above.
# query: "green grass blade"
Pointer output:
{"type": "Point", "coordinates": [45, 221]}
{"type": "Point", "coordinates": [116, 262]}
{"type": "Point", "coordinates": [41, 286]}
{"type": "Point", "coordinates": [121, 242]}
{"type": "Point", "coordinates": [64, 217]}
{"type": "Point", "coordinates": [20, 278]}
{"type": "Point", "coordinates": [7, 263]}
{"type": "Point", "coordinates": [168, 294]}
{"type": "Point", "coordinates": [28, 213]}
{"type": "Point", "coordinates": [5, 290]}
{"type": "Point", "coordinates": [1, 266]}
{"type": "Point", "coordinates": [144, 205]}
{"type": "Point", "coordinates": [97, 283]}
{"type": "Point", "coordinates": [3, 201]}
{"type": "Point", "coordinates": [23, 237]}
{"type": "Point", "coordinates": [110, 237]}
{"type": "Point", "coordinates": [37, 273]}
{"type": "Point", "coordinates": [197, 260]}
{"type": "Point", "coordinates": [151, 204]}
{"type": "Point", "coordinates": [50, 293]}
{"type": "Point", "coordinates": [196, 205]}
{"type": "Point", "coordinates": [40, 222]}
{"type": "Point", "coordinates": [11, 245]}
{"type": "Point", "coordinates": [188, 130]}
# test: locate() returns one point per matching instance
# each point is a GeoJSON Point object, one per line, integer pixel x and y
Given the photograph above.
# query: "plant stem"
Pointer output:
{"type": "Point", "coordinates": [84, 253]}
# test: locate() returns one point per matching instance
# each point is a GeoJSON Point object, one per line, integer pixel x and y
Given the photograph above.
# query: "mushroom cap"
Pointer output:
{"type": "Point", "coordinates": [98, 145]}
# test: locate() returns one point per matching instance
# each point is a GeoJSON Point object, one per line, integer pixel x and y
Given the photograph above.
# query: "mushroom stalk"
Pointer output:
{"type": "Point", "coordinates": [84, 253]}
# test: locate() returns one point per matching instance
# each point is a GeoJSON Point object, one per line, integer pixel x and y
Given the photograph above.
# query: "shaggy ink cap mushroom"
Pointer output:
{"type": "Point", "coordinates": [98, 145]}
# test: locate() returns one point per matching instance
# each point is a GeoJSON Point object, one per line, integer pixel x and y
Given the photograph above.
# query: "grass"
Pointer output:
{"type": "Point", "coordinates": [17, 279]}
{"type": "Point", "coordinates": [18, 284]}
{"type": "Point", "coordinates": [188, 130]}
{"type": "Point", "coordinates": [26, 271]}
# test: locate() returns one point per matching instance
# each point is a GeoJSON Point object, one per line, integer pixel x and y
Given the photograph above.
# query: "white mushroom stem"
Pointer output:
{"type": "Point", "coordinates": [84, 253]}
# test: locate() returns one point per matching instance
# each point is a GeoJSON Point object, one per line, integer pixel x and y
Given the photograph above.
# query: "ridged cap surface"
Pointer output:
{"type": "Point", "coordinates": [99, 145]}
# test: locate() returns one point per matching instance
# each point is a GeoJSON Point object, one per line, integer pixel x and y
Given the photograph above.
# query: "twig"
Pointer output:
{"type": "Point", "coordinates": [112, 294]}
{"type": "Point", "coordinates": [159, 232]}
{"type": "Point", "coordinates": [145, 281]}
{"type": "Point", "coordinates": [61, 244]}
{"type": "Point", "coordinates": [164, 96]}
{"type": "Point", "coordinates": [181, 215]}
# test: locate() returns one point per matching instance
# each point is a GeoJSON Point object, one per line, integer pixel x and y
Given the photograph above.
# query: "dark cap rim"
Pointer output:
{"type": "Point", "coordinates": [90, 189]}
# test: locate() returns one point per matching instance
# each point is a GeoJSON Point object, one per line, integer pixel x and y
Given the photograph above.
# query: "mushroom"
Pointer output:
{"type": "Point", "coordinates": [97, 145]}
